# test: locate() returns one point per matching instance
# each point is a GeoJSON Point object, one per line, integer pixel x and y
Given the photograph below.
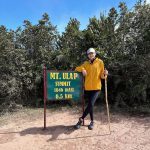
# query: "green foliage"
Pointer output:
{"type": "Point", "coordinates": [71, 45]}
{"type": "Point", "coordinates": [121, 38]}
{"type": "Point", "coordinates": [23, 54]}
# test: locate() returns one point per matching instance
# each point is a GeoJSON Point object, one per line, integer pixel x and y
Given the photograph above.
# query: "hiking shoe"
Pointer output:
{"type": "Point", "coordinates": [91, 125]}
{"type": "Point", "coordinates": [78, 125]}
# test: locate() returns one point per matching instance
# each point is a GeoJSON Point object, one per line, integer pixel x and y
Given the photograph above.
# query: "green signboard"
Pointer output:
{"type": "Point", "coordinates": [64, 85]}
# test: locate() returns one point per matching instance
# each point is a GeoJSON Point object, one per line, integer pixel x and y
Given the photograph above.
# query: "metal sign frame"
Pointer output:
{"type": "Point", "coordinates": [45, 91]}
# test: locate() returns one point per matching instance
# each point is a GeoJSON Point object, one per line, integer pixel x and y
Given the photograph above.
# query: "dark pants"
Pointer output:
{"type": "Point", "coordinates": [92, 96]}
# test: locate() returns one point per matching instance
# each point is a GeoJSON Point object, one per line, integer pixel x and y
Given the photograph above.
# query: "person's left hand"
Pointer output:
{"type": "Point", "coordinates": [105, 72]}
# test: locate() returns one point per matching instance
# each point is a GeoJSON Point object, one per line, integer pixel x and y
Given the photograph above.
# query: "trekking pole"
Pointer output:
{"type": "Point", "coordinates": [106, 98]}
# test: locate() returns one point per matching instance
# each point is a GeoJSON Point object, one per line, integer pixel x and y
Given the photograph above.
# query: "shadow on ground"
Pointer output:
{"type": "Point", "coordinates": [54, 131]}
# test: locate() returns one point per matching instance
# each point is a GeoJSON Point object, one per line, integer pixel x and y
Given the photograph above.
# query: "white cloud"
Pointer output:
{"type": "Point", "coordinates": [148, 1]}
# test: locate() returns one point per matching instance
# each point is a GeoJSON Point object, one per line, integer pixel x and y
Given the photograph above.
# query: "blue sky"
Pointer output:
{"type": "Point", "coordinates": [14, 12]}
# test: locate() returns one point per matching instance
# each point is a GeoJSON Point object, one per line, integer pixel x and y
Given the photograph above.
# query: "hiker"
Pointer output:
{"type": "Point", "coordinates": [93, 71]}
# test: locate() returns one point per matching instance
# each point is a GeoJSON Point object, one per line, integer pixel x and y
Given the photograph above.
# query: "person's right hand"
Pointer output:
{"type": "Point", "coordinates": [84, 72]}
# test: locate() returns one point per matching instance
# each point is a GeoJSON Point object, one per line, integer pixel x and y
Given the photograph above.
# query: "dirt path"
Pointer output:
{"type": "Point", "coordinates": [25, 132]}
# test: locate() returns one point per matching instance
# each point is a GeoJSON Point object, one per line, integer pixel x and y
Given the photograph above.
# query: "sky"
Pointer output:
{"type": "Point", "coordinates": [14, 12]}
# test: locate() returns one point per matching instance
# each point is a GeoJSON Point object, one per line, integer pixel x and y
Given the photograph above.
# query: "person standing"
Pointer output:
{"type": "Point", "coordinates": [93, 71]}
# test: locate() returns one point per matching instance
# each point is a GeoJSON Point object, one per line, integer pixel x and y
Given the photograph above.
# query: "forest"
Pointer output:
{"type": "Point", "coordinates": [121, 38]}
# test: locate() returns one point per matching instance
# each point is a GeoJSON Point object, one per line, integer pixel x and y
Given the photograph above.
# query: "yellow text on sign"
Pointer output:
{"type": "Point", "coordinates": [67, 76]}
{"type": "Point", "coordinates": [65, 96]}
{"type": "Point", "coordinates": [54, 75]}
{"type": "Point", "coordinates": [62, 83]}
{"type": "Point", "coordinates": [70, 76]}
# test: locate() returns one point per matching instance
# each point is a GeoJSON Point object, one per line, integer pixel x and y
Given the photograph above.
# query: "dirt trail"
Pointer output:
{"type": "Point", "coordinates": [127, 133]}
